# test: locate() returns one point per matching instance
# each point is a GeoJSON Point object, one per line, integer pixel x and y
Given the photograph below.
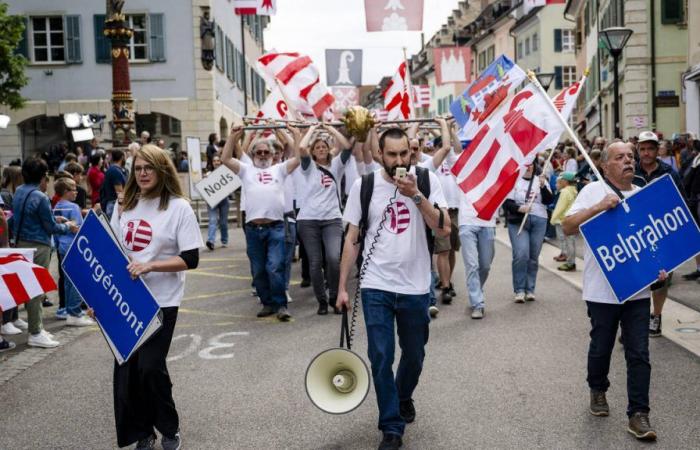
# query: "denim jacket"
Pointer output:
{"type": "Point", "coordinates": [39, 223]}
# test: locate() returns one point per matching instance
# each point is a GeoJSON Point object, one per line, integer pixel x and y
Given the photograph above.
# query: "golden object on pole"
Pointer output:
{"type": "Point", "coordinates": [358, 121]}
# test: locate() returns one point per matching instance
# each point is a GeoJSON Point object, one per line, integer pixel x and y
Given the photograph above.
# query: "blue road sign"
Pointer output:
{"type": "Point", "coordinates": [658, 233]}
{"type": "Point", "coordinates": [124, 308]}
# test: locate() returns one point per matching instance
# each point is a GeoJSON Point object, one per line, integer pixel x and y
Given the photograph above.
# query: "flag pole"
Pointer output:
{"type": "Point", "coordinates": [409, 85]}
{"type": "Point", "coordinates": [533, 78]}
{"type": "Point", "coordinates": [548, 162]}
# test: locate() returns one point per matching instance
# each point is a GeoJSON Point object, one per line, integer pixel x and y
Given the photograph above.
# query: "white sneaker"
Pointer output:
{"type": "Point", "coordinates": [41, 340]}
{"type": "Point", "coordinates": [48, 335]}
{"type": "Point", "coordinates": [9, 329]}
{"type": "Point", "coordinates": [520, 297]}
{"type": "Point", "coordinates": [530, 297]}
{"type": "Point", "coordinates": [289, 297]}
{"type": "Point", "coordinates": [434, 311]}
{"type": "Point", "coordinates": [21, 324]}
{"type": "Point", "coordinates": [82, 321]}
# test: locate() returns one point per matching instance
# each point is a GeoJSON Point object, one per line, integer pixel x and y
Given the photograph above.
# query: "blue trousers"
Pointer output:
{"type": "Point", "coordinates": [266, 249]}
{"type": "Point", "coordinates": [526, 252]}
{"type": "Point", "coordinates": [410, 312]}
{"type": "Point", "coordinates": [218, 218]}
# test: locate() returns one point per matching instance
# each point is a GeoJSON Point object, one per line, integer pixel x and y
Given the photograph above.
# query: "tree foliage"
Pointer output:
{"type": "Point", "coordinates": [12, 76]}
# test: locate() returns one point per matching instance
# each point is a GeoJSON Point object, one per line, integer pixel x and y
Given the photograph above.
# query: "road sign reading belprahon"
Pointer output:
{"type": "Point", "coordinates": [658, 233]}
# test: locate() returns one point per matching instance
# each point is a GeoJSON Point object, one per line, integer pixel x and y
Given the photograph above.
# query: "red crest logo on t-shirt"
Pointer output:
{"type": "Point", "coordinates": [138, 235]}
{"type": "Point", "coordinates": [445, 169]}
{"type": "Point", "coordinates": [326, 181]}
{"type": "Point", "coordinates": [264, 177]}
{"type": "Point", "coordinates": [398, 218]}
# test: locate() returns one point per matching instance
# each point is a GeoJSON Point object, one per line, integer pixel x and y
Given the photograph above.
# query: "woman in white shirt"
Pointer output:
{"type": "Point", "coordinates": [159, 232]}
{"type": "Point", "coordinates": [319, 221]}
{"type": "Point", "coordinates": [530, 195]}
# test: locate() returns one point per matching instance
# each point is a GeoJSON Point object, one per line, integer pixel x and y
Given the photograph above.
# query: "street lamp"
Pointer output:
{"type": "Point", "coordinates": [545, 80]}
{"type": "Point", "coordinates": [615, 39]}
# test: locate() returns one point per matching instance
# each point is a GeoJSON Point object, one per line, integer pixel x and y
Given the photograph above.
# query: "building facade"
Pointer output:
{"type": "Point", "coordinates": [650, 70]}
{"type": "Point", "coordinates": [175, 96]}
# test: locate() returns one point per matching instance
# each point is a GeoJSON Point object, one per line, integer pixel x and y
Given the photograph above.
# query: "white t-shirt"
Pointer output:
{"type": "Point", "coordinates": [264, 191]}
{"type": "Point", "coordinates": [322, 201]}
{"type": "Point", "coordinates": [400, 261]}
{"type": "Point", "coordinates": [467, 215]}
{"type": "Point", "coordinates": [149, 234]}
{"type": "Point", "coordinates": [595, 286]}
{"type": "Point", "coordinates": [300, 187]}
{"type": "Point", "coordinates": [519, 194]}
{"type": "Point", "coordinates": [453, 193]}
{"type": "Point", "coordinates": [571, 165]}
{"type": "Point", "coordinates": [352, 173]}
{"type": "Point", "coordinates": [245, 159]}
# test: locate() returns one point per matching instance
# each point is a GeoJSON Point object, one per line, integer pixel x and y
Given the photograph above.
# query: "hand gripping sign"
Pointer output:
{"type": "Point", "coordinates": [658, 233]}
{"type": "Point", "coordinates": [124, 308]}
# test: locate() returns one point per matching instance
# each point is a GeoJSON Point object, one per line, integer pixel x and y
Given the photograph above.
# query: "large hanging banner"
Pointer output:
{"type": "Point", "coordinates": [394, 15]}
{"type": "Point", "coordinates": [452, 64]}
{"type": "Point", "coordinates": [343, 67]}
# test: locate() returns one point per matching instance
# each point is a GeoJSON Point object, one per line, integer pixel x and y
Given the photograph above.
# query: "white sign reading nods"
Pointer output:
{"type": "Point", "coordinates": [218, 185]}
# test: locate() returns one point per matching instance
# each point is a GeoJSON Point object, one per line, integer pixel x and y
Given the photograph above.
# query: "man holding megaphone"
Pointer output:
{"type": "Point", "coordinates": [394, 212]}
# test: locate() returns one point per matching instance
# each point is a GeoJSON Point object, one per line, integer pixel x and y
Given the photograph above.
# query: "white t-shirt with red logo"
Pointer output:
{"type": "Point", "coordinates": [453, 193]}
{"type": "Point", "coordinates": [264, 190]}
{"type": "Point", "coordinates": [150, 234]}
{"type": "Point", "coordinates": [321, 201]}
{"type": "Point", "coordinates": [400, 261]}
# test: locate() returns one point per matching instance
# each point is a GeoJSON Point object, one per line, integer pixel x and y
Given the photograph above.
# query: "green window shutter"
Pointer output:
{"type": "Point", "coordinates": [156, 24]}
{"type": "Point", "coordinates": [102, 45]}
{"type": "Point", "coordinates": [219, 52]}
{"type": "Point", "coordinates": [672, 12]}
{"type": "Point", "coordinates": [23, 45]}
{"type": "Point", "coordinates": [558, 81]}
{"type": "Point", "coordinates": [71, 25]}
{"type": "Point", "coordinates": [557, 40]}
{"type": "Point", "coordinates": [240, 69]}
{"type": "Point", "coordinates": [229, 60]}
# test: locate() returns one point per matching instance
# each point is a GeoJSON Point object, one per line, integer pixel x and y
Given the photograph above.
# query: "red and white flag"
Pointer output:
{"type": "Point", "coordinates": [530, 4]}
{"type": "Point", "coordinates": [394, 15]}
{"type": "Point", "coordinates": [21, 280]}
{"type": "Point", "coordinates": [253, 7]}
{"type": "Point", "coordinates": [275, 107]}
{"type": "Point", "coordinates": [299, 79]}
{"type": "Point", "coordinates": [452, 65]}
{"type": "Point", "coordinates": [421, 96]}
{"type": "Point", "coordinates": [522, 126]}
{"type": "Point", "coordinates": [396, 99]}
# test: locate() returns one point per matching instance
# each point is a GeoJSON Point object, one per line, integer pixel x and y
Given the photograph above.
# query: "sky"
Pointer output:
{"type": "Point", "coordinates": [311, 26]}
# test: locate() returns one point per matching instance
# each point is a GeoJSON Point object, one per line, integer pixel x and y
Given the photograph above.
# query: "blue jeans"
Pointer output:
{"type": "Point", "coordinates": [381, 309]}
{"type": "Point", "coordinates": [433, 281]}
{"type": "Point", "coordinates": [526, 252]}
{"type": "Point", "coordinates": [290, 244]}
{"type": "Point", "coordinates": [477, 252]}
{"type": "Point", "coordinates": [109, 208]}
{"type": "Point", "coordinates": [267, 254]}
{"type": "Point", "coordinates": [218, 218]}
{"type": "Point", "coordinates": [633, 317]}
{"type": "Point", "coordinates": [73, 298]}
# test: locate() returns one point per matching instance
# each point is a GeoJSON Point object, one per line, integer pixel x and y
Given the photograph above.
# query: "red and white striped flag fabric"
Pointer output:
{"type": "Point", "coordinates": [421, 94]}
{"type": "Point", "coordinates": [522, 126]}
{"type": "Point", "coordinates": [275, 107]}
{"type": "Point", "coordinates": [396, 98]}
{"type": "Point", "coordinates": [253, 7]}
{"type": "Point", "coordinates": [299, 79]}
{"type": "Point", "coordinates": [21, 280]}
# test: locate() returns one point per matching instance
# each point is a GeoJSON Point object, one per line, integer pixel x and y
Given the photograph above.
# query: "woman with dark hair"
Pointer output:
{"type": "Point", "coordinates": [319, 222]}
{"type": "Point", "coordinates": [212, 150]}
{"type": "Point", "coordinates": [529, 196]}
{"type": "Point", "coordinates": [95, 178]}
{"type": "Point", "coordinates": [33, 223]}
{"type": "Point", "coordinates": [157, 227]}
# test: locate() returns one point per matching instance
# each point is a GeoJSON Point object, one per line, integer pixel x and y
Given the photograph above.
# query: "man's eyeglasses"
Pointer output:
{"type": "Point", "coordinates": [145, 169]}
{"type": "Point", "coordinates": [262, 153]}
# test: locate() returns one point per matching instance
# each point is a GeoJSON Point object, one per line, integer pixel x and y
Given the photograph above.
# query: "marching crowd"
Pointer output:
{"type": "Point", "coordinates": [307, 187]}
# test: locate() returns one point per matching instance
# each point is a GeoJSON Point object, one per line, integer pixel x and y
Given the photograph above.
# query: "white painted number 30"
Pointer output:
{"type": "Point", "coordinates": [215, 348]}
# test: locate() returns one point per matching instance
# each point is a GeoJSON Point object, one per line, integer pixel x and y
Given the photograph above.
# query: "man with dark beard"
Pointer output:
{"type": "Point", "coordinates": [396, 277]}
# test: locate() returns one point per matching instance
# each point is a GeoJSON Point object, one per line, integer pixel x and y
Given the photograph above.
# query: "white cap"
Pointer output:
{"type": "Point", "coordinates": [646, 136]}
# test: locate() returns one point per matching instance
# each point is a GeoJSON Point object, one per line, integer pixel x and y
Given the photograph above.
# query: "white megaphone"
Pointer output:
{"type": "Point", "coordinates": [337, 380]}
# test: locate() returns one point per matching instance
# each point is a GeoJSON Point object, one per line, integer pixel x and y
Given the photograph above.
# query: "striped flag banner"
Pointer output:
{"type": "Point", "coordinates": [21, 280]}
{"type": "Point", "coordinates": [255, 7]}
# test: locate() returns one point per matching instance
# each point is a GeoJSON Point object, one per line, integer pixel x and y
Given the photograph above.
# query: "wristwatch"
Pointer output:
{"type": "Point", "coordinates": [417, 199]}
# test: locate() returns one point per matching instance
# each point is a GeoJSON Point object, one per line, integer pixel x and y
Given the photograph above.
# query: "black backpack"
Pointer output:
{"type": "Point", "coordinates": [366, 188]}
